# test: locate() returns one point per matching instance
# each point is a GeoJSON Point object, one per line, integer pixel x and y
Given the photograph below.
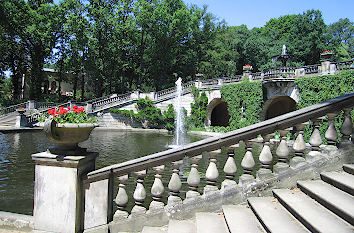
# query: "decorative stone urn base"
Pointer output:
{"type": "Point", "coordinates": [67, 136]}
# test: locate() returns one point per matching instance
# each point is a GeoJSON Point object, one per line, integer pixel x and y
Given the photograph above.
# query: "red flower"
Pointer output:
{"type": "Point", "coordinates": [68, 108]}
{"type": "Point", "coordinates": [81, 109]}
{"type": "Point", "coordinates": [51, 111]}
{"type": "Point", "coordinates": [75, 107]}
{"type": "Point", "coordinates": [20, 108]}
{"type": "Point", "coordinates": [62, 111]}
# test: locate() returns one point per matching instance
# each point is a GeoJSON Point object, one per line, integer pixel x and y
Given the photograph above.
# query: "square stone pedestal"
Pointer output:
{"type": "Point", "coordinates": [58, 191]}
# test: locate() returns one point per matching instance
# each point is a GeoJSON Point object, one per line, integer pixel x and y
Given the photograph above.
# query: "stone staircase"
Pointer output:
{"type": "Point", "coordinates": [325, 205]}
{"type": "Point", "coordinates": [8, 119]}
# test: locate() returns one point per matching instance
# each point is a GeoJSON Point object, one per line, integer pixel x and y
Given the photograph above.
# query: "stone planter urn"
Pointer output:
{"type": "Point", "coordinates": [67, 136]}
{"type": "Point", "coordinates": [247, 68]}
{"type": "Point", "coordinates": [326, 55]}
{"type": "Point", "coordinates": [21, 110]}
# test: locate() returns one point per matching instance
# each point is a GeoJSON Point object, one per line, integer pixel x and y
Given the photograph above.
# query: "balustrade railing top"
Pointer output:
{"type": "Point", "coordinates": [110, 101]}
{"type": "Point", "coordinates": [193, 149]}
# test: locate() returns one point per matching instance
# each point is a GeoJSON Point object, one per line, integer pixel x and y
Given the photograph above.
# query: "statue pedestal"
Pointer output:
{"type": "Point", "coordinates": [59, 192]}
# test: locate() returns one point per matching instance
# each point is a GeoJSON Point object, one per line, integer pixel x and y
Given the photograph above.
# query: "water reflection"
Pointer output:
{"type": "Point", "coordinates": [17, 167]}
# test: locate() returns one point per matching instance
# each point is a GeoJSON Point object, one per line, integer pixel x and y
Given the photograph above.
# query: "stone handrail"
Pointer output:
{"type": "Point", "coordinates": [313, 69]}
{"type": "Point", "coordinates": [110, 102]}
{"type": "Point", "coordinates": [156, 162]}
{"type": "Point", "coordinates": [257, 76]}
{"type": "Point", "coordinates": [12, 108]}
{"type": "Point", "coordinates": [165, 92]}
{"type": "Point", "coordinates": [345, 65]}
{"type": "Point", "coordinates": [105, 102]}
{"type": "Point", "coordinates": [279, 71]}
{"type": "Point", "coordinates": [232, 79]}
{"type": "Point", "coordinates": [228, 139]}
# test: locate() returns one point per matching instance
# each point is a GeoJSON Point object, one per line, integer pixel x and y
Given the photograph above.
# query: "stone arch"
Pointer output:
{"type": "Point", "coordinates": [217, 113]}
{"type": "Point", "coordinates": [278, 105]}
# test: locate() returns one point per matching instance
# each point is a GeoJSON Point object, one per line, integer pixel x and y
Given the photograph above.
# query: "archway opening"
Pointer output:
{"type": "Point", "coordinates": [220, 115]}
{"type": "Point", "coordinates": [279, 106]}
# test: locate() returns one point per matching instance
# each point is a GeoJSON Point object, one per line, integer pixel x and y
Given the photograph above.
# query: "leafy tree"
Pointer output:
{"type": "Point", "coordinates": [198, 109]}
{"type": "Point", "coordinates": [340, 38]}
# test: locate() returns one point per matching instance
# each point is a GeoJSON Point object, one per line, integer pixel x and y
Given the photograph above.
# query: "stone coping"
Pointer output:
{"type": "Point", "coordinates": [12, 222]}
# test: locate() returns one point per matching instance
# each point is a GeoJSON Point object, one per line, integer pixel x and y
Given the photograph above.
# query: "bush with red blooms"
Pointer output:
{"type": "Point", "coordinates": [66, 115]}
{"type": "Point", "coordinates": [325, 52]}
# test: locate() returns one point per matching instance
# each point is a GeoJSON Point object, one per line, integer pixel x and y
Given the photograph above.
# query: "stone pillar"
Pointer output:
{"type": "Point", "coordinates": [21, 120]}
{"type": "Point", "coordinates": [88, 107]}
{"type": "Point", "coordinates": [59, 192]}
{"type": "Point", "coordinates": [135, 95]}
{"type": "Point", "coordinates": [325, 67]}
{"type": "Point", "coordinates": [30, 104]}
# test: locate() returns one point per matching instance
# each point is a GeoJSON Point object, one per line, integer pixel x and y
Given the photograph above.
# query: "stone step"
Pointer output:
{"type": "Point", "coordinates": [240, 218]}
{"type": "Point", "coordinates": [211, 223]}
{"type": "Point", "coordinates": [341, 180]}
{"type": "Point", "coordinates": [339, 202]}
{"type": "Point", "coordinates": [310, 213]}
{"type": "Point", "coordinates": [349, 168]}
{"type": "Point", "coordinates": [273, 216]}
{"type": "Point", "coordinates": [148, 229]}
{"type": "Point", "coordinates": [182, 226]}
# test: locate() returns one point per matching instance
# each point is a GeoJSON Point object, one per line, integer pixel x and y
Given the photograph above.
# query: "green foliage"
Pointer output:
{"type": "Point", "coordinates": [314, 90]}
{"type": "Point", "coordinates": [125, 45]}
{"type": "Point", "coordinates": [169, 118]}
{"type": "Point", "coordinates": [149, 115]}
{"type": "Point", "coordinates": [245, 95]}
{"type": "Point", "coordinates": [198, 109]}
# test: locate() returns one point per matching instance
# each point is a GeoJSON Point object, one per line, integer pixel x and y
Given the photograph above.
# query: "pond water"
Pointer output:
{"type": "Point", "coordinates": [17, 167]}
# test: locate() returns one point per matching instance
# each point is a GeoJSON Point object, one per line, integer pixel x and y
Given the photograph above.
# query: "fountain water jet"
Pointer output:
{"type": "Point", "coordinates": [179, 119]}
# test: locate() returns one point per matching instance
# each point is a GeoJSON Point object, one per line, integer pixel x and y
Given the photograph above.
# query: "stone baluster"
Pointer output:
{"type": "Point", "coordinates": [315, 139]}
{"type": "Point", "coordinates": [331, 133]}
{"type": "Point", "coordinates": [212, 173]}
{"type": "Point", "coordinates": [299, 147]}
{"type": "Point", "coordinates": [282, 153]}
{"type": "Point", "coordinates": [230, 168]}
{"type": "Point", "coordinates": [193, 179]}
{"type": "Point", "coordinates": [247, 164]}
{"type": "Point", "coordinates": [139, 194]}
{"type": "Point", "coordinates": [266, 159]}
{"type": "Point", "coordinates": [157, 189]}
{"type": "Point", "coordinates": [347, 126]}
{"type": "Point", "coordinates": [175, 185]}
{"type": "Point", "coordinates": [121, 199]}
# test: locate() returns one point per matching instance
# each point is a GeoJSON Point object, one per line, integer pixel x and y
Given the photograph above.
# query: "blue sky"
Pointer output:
{"type": "Point", "coordinates": [257, 13]}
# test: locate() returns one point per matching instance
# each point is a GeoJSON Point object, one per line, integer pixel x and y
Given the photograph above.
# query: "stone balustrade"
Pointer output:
{"type": "Point", "coordinates": [102, 103]}
{"type": "Point", "coordinates": [170, 195]}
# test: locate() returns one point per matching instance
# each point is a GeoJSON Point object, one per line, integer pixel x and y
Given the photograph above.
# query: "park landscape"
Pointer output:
{"type": "Point", "coordinates": [157, 116]}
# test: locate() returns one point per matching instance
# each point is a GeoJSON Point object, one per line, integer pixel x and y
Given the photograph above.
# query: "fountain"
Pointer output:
{"type": "Point", "coordinates": [283, 57]}
{"type": "Point", "coordinates": [179, 119]}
